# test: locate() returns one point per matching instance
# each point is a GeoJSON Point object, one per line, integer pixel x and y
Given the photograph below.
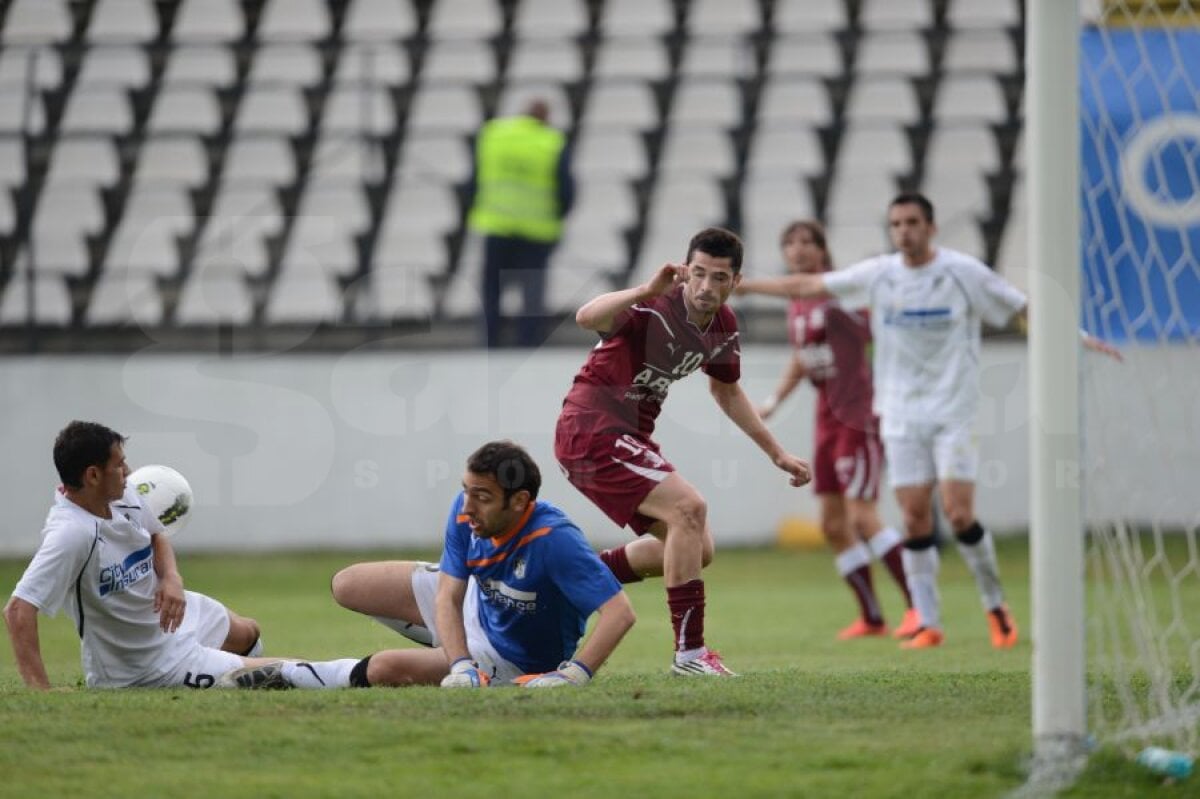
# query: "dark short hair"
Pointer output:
{"type": "Point", "coordinates": [914, 198]}
{"type": "Point", "coordinates": [815, 230]}
{"type": "Point", "coordinates": [80, 445]}
{"type": "Point", "coordinates": [508, 464]}
{"type": "Point", "coordinates": [719, 243]}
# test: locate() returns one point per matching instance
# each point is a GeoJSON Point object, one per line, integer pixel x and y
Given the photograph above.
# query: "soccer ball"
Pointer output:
{"type": "Point", "coordinates": [166, 494]}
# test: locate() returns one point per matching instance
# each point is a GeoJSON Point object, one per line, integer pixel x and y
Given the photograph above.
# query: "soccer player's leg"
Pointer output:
{"type": "Point", "coordinates": [218, 627]}
{"type": "Point", "coordinates": [385, 591]}
{"type": "Point", "coordinates": [921, 562]}
{"type": "Point", "coordinates": [853, 561]}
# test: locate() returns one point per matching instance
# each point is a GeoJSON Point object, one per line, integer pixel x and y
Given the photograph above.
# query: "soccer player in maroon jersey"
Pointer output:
{"type": "Point", "coordinates": [830, 349]}
{"type": "Point", "coordinates": [652, 335]}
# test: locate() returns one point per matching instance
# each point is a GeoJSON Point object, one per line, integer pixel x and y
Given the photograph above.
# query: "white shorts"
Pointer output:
{"type": "Point", "coordinates": [424, 587]}
{"type": "Point", "coordinates": [921, 453]}
{"type": "Point", "coordinates": [206, 622]}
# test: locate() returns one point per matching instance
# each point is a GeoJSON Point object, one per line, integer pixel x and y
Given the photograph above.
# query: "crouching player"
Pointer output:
{"type": "Point", "coordinates": [507, 604]}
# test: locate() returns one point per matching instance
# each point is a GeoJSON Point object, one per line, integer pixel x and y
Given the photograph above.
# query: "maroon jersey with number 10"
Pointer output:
{"type": "Point", "coordinates": [832, 344]}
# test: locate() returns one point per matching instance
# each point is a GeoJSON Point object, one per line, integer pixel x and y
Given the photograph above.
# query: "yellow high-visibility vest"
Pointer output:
{"type": "Point", "coordinates": [516, 180]}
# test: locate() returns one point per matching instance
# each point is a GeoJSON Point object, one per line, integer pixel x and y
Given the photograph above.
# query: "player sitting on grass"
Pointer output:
{"type": "Point", "coordinates": [508, 603]}
{"type": "Point", "coordinates": [106, 558]}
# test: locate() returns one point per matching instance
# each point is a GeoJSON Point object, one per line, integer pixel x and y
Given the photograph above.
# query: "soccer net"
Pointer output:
{"type": "Point", "coordinates": [1140, 225]}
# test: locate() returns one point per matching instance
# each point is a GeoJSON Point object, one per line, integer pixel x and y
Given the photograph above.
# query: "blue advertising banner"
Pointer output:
{"type": "Point", "coordinates": [1140, 170]}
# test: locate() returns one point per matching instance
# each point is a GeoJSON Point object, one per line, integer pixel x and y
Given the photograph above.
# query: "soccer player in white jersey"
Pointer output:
{"type": "Point", "coordinates": [107, 560]}
{"type": "Point", "coordinates": [927, 304]}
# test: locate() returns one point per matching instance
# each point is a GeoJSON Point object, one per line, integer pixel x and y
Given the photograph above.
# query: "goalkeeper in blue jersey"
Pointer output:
{"type": "Point", "coordinates": [508, 603]}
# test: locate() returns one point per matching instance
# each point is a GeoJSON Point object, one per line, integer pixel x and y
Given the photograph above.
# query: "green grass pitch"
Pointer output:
{"type": "Point", "coordinates": [811, 717]}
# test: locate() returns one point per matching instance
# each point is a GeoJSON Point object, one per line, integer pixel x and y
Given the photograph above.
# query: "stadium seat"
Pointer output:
{"type": "Point", "coordinates": [537, 59]}
{"type": "Point", "coordinates": [373, 63]}
{"type": "Point", "coordinates": [969, 98]}
{"type": "Point", "coordinates": [895, 14]}
{"type": "Point", "coordinates": [637, 18]}
{"type": "Point", "coordinates": [8, 213]}
{"type": "Point", "coordinates": [329, 216]}
{"type": "Point", "coordinates": [15, 66]}
{"type": "Point", "coordinates": [849, 243]}
{"type": "Point", "coordinates": [812, 55]}
{"type": "Point", "coordinates": [241, 216]}
{"type": "Point", "coordinates": [12, 163]}
{"type": "Point", "coordinates": [172, 161]}
{"type": "Point", "coordinates": [145, 239]}
{"type": "Point", "coordinates": [98, 110]}
{"type": "Point", "coordinates": [91, 160]}
{"type": "Point", "coordinates": [207, 65]}
{"type": "Point", "coordinates": [464, 19]}
{"type": "Point", "coordinates": [883, 99]}
{"type": "Point", "coordinates": [980, 51]}
{"type": "Point", "coordinates": [710, 102]}
{"type": "Point", "coordinates": [621, 105]}
{"type": "Point", "coordinates": [957, 192]}
{"type": "Point", "coordinates": [215, 292]}
{"type": "Point", "coordinates": [419, 205]}
{"type": "Point", "coordinates": [66, 213]}
{"type": "Point", "coordinates": [1012, 259]}
{"type": "Point", "coordinates": [722, 18]}
{"type": "Point", "coordinates": [447, 109]}
{"type": "Point", "coordinates": [983, 13]}
{"type": "Point", "coordinates": [461, 300]}
{"type": "Point", "coordinates": [359, 109]}
{"type": "Point", "coordinates": [125, 299]}
{"type": "Point", "coordinates": [609, 153]}
{"type": "Point", "coordinates": [591, 246]}
{"type": "Point", "coordinates": [435, 157]}
{"type": "Point", "coordinates": [557, 18]}
{"type": "Point", "coordinates": [37, 22]}
{"type": "Point", "coordinates": [208, 21]}
{"type": "Point", "coordinates": [603, 203]}
{"type": "Point", "coordinates": [962, 147]}
{"type": "Point", "coordinates": [346, 158]}
{"type": "Point", "coordinates": [125, 67]}
{"type": "Point", "coordinates": [277, 109]}
{"type": "Point", "coordinates": [421, 251]}
{"type": "Point", "coordinates": [294, 20]}
{"type": "Point", "coordinates": [805, 16]}
{"type": "Point", "coordinates": [769, 201]}
{"type": "Point", "coordinates": [697, 151]}
{"type": "Point", "coordinates": [790, 148]}
{"type": "Point", "coordinates": [394, 291]}
{"type": "Point", "coordinates": [285, 64]}
{"type": "Point", "coordinates": [572, 280]}
{"type": "Point", "coordinates": [259, 159]}
{"type": "Point", "coordinates": [960, 231]}
{"type": "Point", "coordinates": [866, 147]}
{"type": "Point", "coordinates": [184, 109]}
{"type": "Point", "coordinates": [13, 110]}
{"type": "Point", "coordinates": [122, 22]}
{"type": "Point", "coordinates": [717, 57]}
{"type": "Point", "coordinates": [794, 100]}
{"type": "Point", "coordinates": [458, 61]}
{"type": "Point", "coordinates": [857, 196]}
{"type": "Point", "coordinates": [641, 59]}
{"type": "Point", "coordinates": [892, 53]}
{"type": "Point", "coordinates": [52, 301]}
{"type": "Point", "coordinates": [515, 99]}
{"type": "Point", "coordinates": [384, 20]}
{"type": "Point", "coordinates": [686, 201]}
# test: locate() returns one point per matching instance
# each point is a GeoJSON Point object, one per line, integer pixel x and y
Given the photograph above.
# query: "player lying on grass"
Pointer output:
{"type": "Point", "coordinates": [105, 557]}
{"type": "Point", "coordinates": [508, 602]}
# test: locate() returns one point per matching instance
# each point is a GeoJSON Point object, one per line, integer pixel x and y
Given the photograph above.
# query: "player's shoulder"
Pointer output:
{"type": "Point", "coordinates": [68, 522]}
{"type": "Point", "coordinates": [550, 521]}
{"type": "Point", "coordinates": [961, 263]}
{"type": "Point", "coordinates": [727, 319]}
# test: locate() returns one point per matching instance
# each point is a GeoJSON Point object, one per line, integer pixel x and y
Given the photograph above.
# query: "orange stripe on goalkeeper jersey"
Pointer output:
{"type": "Point", "coordinates": [502, 556]}
{"type": "Point", "coordinates": [501, 540]}
{"type": "Point", "coordinates": [532, 536]}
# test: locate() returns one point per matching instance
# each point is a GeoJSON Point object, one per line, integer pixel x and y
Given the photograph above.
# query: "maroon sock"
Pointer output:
{"type": "Point", "coordinates": [618, 563]}
{"type": "Point", "coordinates": [895, 565]}
{"type": "Point", "coordinates": [860, 583]}
{"type": "Point", "coordinates": [687, 614]}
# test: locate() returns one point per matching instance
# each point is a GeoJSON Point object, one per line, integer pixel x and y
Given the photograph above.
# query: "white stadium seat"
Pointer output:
{"type": "Point", "coordinates": [259, 159]}
{"type": "Point", "coordinates": [464, 19]}
{"type": "Point", "coordinates": [37, 21]}
{"type": "Point", "coordinates": [980, 51]}
{"type": "Point", "coordinates": [697, 151]}
{"type": "Point", "coordinates": [294, 20]}
{"type": "Point", "coordinates": [984, 13]}
{"type": "Point", "coordinates": [610, 153]}
{"type": "Point", "coordinates": [806, 55]}
{"type": "Point", "coordinates": [200, 64]}
{"type": "Point", "coordinates": [457, 61]}
{"type": "Point", "coordinates": [16, 66]}
{"type": "Point", "coordinates": [883, 99]}
{"type": "Point", "coordinates": [621, 105]}
{"type": "Point", "coordinates": [52, 300]}
{"type": "Point", "coordinates": [797, 100]}
{"type": "Point", "coordinates": [789, 149]}
{"type": "Point", "coordinates": [373, 63]}
{"type": "Point", "coordinates": [145, 238]}
{"type": "Point", "coordinates": [969, 98]}
{"type": "Point", "coordinates": [572, 280]}
{"type": "Point", "coordinates": [98, 110]}
{"type": "Point", "coordinates": [895, 14]}
{"type": "Point", "coordinates": [447, 108]}
{"type": "Point", "coordinates": [892, 53]}
{"type": "Point", "coordinates": [279, 110]}
{"type": "Point", "coordinates": [125, 67]}
{"type": "Point", "coordinates": [13, 110]}
{"type": "Point", "coordinates": [359, 109]}
{"type": "Point", "coordinates": [90, 160]}
{"type": "Point", "coordinates": [418, 205]}
{"type": "Point", "coordinates": [604, 202]}
{"type": "Point", "coordinates": [215, 292]}
{"type": "Point", "coordinates": [717, 57]}
{"type": "Point", "coordinates": [303, 296]}
{"type": "Point", "coordinates": [556, 18]}
{"type": "Point", "coordinates": [536, 59]}
{"type": "Point", "coordinates": [971, 147]}
{"type": "Point", "coordinates": [435, 157]}
{"type": "Point", "coordinates": [394, 291]}
{"type": "Point", "coordinates": [286, 64]}
{"type": "Point", "coordinates": [66, 213]}
{"type": "Point", "coordinates": [641, 58]}
{"type": "Point", "coordinates": [12, 163]}
{"type": "Point", "coordinates": [185, 109]}
{"type": "Point", "coordinates": [707, 102]}
{"type": "Point", "coordinates": [125, 299]}
{"type": "Point", "coordinates": [805, 16]}
{"type": "Point", "coordinates": [516, 96]}
{"type": "Point", "coordinates": [849, 243]}
{"type": "Point", "coordinates": [637, 18]}
{"type": "Point", "coordinates": [858, 197]}
{"type": "Point", "coordinates": [346, 158]}
{"type": "Point", "coordinates": [722, 17]}
{"type": "Point", "coordinates": [208, 21]}
{"type": "Point", "coordinates": [379, 20]}
{"type": "Point", "coordinates": [875, 147]}
{"type": "Point", "coordinates": [123, 21]}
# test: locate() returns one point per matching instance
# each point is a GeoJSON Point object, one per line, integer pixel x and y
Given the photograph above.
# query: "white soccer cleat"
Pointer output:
{"type": "Point", "coordinates": [708, 664]}
{"type": "Point", "coordinates": [265, 677]}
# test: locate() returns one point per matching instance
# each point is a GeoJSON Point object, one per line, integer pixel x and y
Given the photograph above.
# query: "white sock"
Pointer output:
{"type": "Point", "coordinates": [256, 650]}
{"type": "Point", "coordinates": [883, 541]}
{"type": "Point", "coordinates": [921, 567]}
{"type": "Point", "coordinates": [684, 655]}
{"type": "Point", "coordinates": [410, 630]}
{"type": "Point", "coordinates": [981, 558]}
{"type": "Point", "coordinates": [852, 559]}
{"type": "Point", "coordinates": [319, 674]}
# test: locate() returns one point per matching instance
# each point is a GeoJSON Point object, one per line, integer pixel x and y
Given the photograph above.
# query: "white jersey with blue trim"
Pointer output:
{"type": "Point", "coordinates": [102, 571]}
{"type": "Point", "coordinates": [926, 324]}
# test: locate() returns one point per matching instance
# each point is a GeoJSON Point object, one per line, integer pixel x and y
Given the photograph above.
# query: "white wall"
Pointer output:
{"type": "Point", "coordinates": [367, 449]}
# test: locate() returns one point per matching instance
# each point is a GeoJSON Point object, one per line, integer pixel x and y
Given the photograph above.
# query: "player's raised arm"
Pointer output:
{"type": "Point", "coordinates": [598, 314]}
{"type": "Point", "coordinates": [791, 378]}
{"type": "Point", "coordinates": [21, 618]}
{"type": "Point", "coordinates": [1090, 342]}
{"type": "Point", "coordinates": [796, 286]}
{"type": "Point", "coordinates": [737, 406]}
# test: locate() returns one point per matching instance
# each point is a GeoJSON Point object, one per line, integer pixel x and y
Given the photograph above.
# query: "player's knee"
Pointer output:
{"type": "Point", "coordinates": [706, 554]}
{"type": "Point", "coordinates": [243, 633]}
{"type": "Point", "coordinates": [690, 514]}
{"type": "Point", "coordinates": [960, 518]}
{"type": "Point", "coordinates": [342, 586]}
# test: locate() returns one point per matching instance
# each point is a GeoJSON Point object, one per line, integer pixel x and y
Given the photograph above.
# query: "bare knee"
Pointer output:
{"type": "Point", "coordinates": [243, 633]}
{"type": "Point", "coordinates": [343, 587]}
{"type": "Point", "coordinates": [959, 518]}
{"type": "Point", "coordinates": [706, 554]}
{"type": "Point", "coordinates": [690, 516]}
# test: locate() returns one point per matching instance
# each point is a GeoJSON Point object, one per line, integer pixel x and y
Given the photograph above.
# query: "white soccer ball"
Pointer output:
{"type": "Point", "coordinates": [165, 493]}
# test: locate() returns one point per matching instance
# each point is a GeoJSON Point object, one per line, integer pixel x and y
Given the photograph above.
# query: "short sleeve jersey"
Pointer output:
{"type": "Point", "coordinates": [926, 322]}
{"type": "Point", "coordinates": [537, 583]}
{"type": "Point", "coordinates": [102, 571]}
{"type": "Point", "coordinates": [832, 343]}
{"type": "Point", "coordinates": [627, 376]}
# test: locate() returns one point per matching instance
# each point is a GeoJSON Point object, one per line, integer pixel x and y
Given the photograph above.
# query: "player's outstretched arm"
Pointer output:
{"type": "Point", "coordinates": [21, 618]}
{"type": "Point", "coordinates": [790, 286]}
{"type": "Point", "coordinates": [737, 406]}
{"type": "Point", "coordinates": [1090, 342]}
{"type": "Point", "coordinates": [614, 618]}
{"type": "Point", "coordinates": [169, 600]}
{"type": "Point", "coordinates": [599, 313]}
{"type": "Point", "coordinates": [791, 378]}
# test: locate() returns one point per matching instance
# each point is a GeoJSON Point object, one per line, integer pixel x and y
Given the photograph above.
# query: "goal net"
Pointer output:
{"type": "Point", "coordinates": [1140, 225]}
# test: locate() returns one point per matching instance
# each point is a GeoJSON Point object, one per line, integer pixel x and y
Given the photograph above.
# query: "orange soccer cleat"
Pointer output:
{"type": "Point", "coordinates": [1003, 627]}
{"type": "Point", "coordinates": [926, 638]}
{"type": "Point", "coordinates": [910, 625]}
{"type": "Point", "coordinates": [862, 629]}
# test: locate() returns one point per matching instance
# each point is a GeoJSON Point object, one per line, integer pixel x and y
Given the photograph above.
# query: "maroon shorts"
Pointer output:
{"type": "Point", "coordinates": [613, 468]}
{"type": "Point", "coordinates": [848, 461]}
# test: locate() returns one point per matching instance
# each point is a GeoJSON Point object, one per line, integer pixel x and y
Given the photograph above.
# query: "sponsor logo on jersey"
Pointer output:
{"type": "Point", "coordinates": [919, 318]}
{"type": "Point", "coordinates": [501, 594]}
{"type": "Point", "coordinates": [119, 576]}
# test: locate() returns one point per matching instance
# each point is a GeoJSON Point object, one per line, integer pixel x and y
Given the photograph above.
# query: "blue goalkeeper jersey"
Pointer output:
{"type": "Point", "coordinates": [537, 583]}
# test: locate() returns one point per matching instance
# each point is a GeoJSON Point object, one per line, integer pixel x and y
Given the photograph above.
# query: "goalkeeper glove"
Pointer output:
{"type": "Point", "coordinates": [465, 673]}
{"type": "Point", "coordinates": [569, 672]}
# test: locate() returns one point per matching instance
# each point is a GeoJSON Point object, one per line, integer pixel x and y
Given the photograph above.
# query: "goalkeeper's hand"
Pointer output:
{"type": "Point", "coordinates": [569, 672]}
{"type": "Point", "coordinates": [465, 673]}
